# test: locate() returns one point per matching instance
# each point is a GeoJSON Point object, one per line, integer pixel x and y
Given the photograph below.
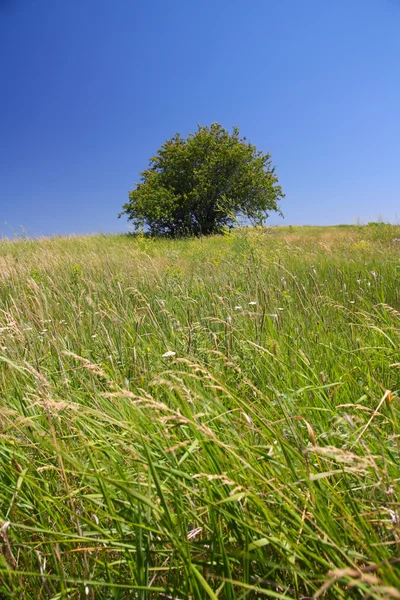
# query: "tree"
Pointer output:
{"type": "Point", "coordinates": [201, 184]}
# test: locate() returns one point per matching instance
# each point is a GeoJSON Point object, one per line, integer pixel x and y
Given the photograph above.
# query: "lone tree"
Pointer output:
{"type": "Point", "coordinates": [201, 184]}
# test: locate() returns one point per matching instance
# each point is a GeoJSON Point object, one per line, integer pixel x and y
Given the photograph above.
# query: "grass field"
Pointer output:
{"type": "Point", "coordinates": [201, 419]}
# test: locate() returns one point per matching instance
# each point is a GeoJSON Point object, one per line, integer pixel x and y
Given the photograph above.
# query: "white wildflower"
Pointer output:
{"type": "Point", "coordinates": [238, 307]}
{"type": "Point", "coordinates": [252, 303]}
{"type": "Point", "coordinates": [169, 354]}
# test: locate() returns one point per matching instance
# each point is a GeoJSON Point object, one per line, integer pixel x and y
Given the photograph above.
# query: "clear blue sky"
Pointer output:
{"type": "Point", "coordinates": [91, 88]}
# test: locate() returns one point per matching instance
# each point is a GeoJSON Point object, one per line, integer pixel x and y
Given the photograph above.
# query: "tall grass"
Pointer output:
{"type": "Point", "coordinates": [211, 418]}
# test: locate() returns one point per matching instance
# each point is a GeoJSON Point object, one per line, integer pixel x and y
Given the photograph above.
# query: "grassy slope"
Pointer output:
{"type": "Point", "coordinates": [261, 460]}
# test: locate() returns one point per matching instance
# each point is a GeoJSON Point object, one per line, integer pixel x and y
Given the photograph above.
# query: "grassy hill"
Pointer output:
{"type": "Point", "coordinates": [207, 418]}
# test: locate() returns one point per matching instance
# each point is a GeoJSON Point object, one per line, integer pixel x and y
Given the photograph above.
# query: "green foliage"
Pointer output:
{"type": "Point", "coordinates": [202, 184]}
{"type": "Point", "coordinates": [76, 273]}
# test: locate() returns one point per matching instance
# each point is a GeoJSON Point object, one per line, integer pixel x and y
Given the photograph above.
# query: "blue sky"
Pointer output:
{"type": "Point", "coordinates": [91, 88]}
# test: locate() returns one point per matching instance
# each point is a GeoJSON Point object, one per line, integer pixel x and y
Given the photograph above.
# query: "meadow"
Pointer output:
{"type": "Point", "coordinates": [212, 418]}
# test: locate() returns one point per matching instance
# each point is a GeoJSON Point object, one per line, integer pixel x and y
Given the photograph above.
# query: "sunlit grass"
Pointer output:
{"type": "Point", "coordinates": [207, 418]}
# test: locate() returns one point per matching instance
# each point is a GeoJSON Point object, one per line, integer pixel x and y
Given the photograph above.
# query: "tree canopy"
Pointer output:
{"type": "Point", "coordinates": [203, 183]}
